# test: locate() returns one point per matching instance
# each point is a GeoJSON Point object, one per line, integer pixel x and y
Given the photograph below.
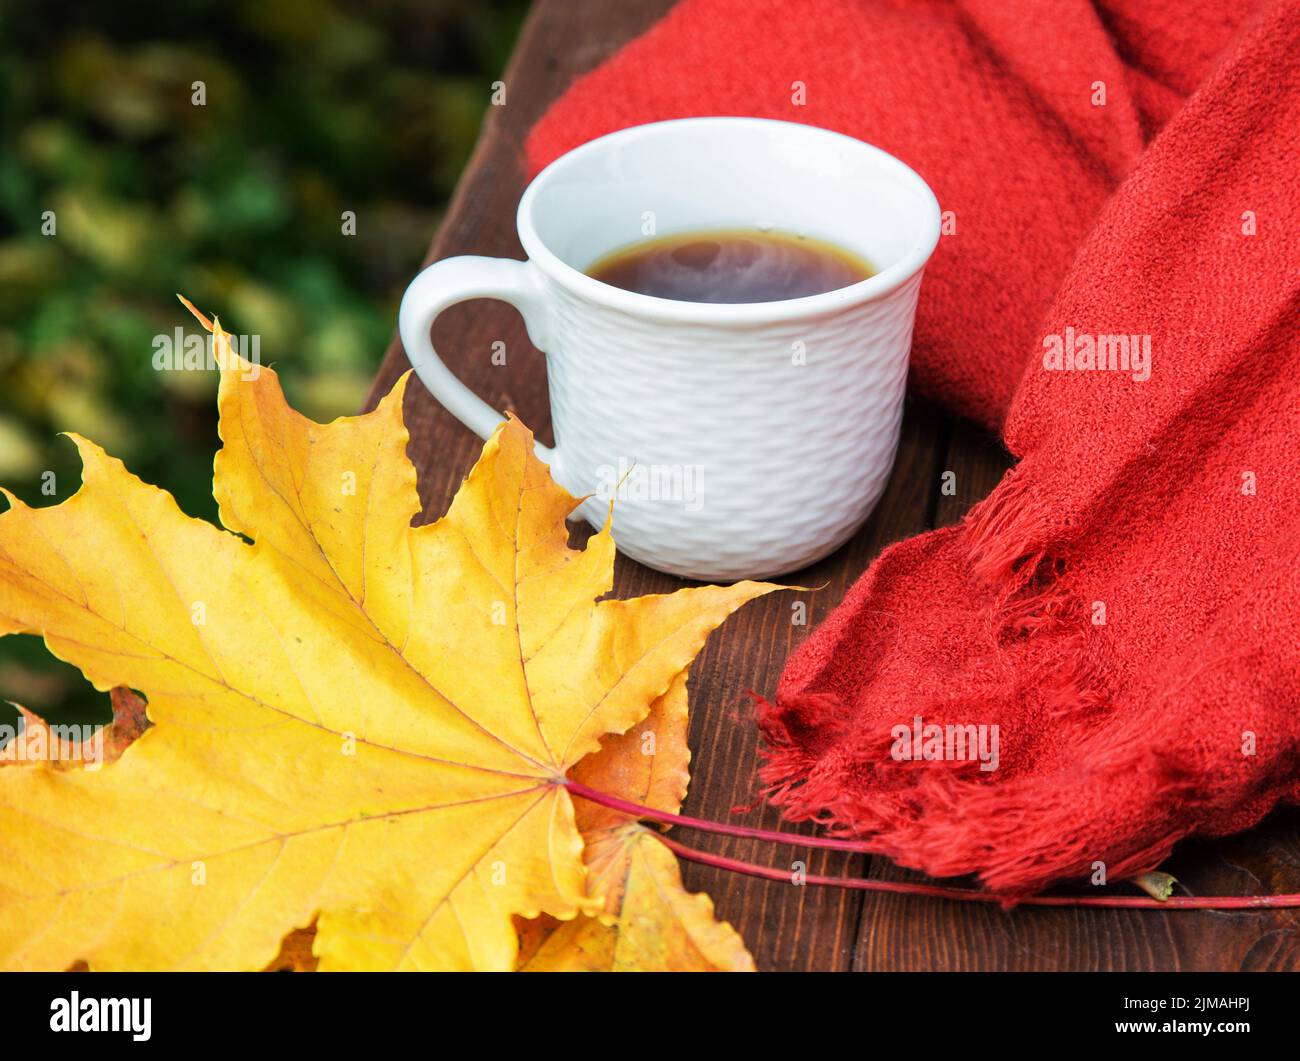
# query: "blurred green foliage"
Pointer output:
{"type": "Point", "coordinates": [312, 108]}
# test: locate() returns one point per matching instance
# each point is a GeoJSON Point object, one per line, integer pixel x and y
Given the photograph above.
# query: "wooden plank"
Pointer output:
{"type": "Point", "coordinates": [816, 929]}
{"type": "Point", "coordinates": [813, 928]}
{"type": "Point", "coordinates": [788, 927]}
{"type": "Point", "coordinates": [903, 934]}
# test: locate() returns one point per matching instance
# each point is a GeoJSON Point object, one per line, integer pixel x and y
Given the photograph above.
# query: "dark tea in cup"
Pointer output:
{"type": "Point", "coordinates": [730, 266]}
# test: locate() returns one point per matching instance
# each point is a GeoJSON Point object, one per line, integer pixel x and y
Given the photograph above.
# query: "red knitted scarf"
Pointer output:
{"type": "Point", "coordinates": [1125, 606]}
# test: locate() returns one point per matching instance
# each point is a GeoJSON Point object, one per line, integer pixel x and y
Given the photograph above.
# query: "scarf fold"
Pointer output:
{"type": "Point", "coordinates": [1121, 183]}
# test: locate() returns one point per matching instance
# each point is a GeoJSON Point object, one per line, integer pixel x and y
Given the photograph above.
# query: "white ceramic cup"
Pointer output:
{"type": "Point", "coordinates": [736, 441]}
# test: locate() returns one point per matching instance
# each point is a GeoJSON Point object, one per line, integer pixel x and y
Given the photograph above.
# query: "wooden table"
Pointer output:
{"type": "Point", "coordinates": [789, 928]}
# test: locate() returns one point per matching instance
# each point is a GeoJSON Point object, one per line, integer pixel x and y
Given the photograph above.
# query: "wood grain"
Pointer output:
{"type": "Point", "coordinates": [789, 927]}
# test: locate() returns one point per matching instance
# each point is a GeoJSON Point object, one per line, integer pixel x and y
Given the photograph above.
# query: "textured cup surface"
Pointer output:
{"type": "Point", "coordinates": [735, 441]}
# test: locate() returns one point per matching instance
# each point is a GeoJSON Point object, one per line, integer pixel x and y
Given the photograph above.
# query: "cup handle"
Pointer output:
{"type": "Point", "coordinates": [453, 280]}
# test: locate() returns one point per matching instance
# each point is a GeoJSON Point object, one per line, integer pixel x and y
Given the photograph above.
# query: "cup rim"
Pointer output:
{"type": "Point", "coordinates": [874, 287]}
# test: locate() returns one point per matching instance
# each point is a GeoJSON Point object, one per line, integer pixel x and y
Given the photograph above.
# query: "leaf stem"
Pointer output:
{"type": "Point", "coordinates": [747, 832]}
{"type": "Point", "coordinates": [937, 891]}
{"type": "Point", "coordinates": [1132, 902]}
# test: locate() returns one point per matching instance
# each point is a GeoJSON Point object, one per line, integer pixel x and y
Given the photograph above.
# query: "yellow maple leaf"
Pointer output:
{"type": "Point", "coordinates": [648, 922]}
{"type": "Point", "coordinates": [355, 721]}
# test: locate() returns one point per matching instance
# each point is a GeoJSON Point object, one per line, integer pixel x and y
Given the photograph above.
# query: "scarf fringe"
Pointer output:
{"type": "Point", "coordinates": [1011, 546]}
